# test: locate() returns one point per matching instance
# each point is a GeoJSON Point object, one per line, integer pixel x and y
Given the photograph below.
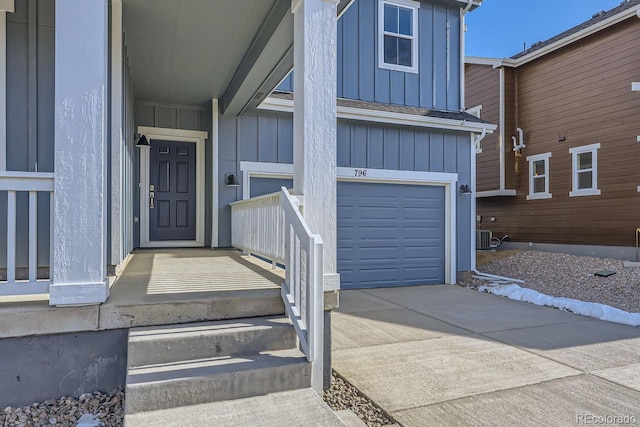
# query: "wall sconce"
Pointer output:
{"type": "Point", "coordinates": [465, 189]}
{"type": "Point", "coordinates": [231, 180]}
{"type": "Point", "coordinates": [141, 140]}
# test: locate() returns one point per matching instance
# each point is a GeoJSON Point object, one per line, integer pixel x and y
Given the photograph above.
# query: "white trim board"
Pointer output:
{"type": "Point", "coordinates": [178, 135]}
{"type": "Point", "coordinates": [495, 193]}
{"type": "Point", "coordinates": [117, 125]}
{"type": "Point", "coordinates": [215, 141]}
{"type": "Point", "coordinates": [376, 116]}
{"type": "Point", "coordinates": [447, 180]}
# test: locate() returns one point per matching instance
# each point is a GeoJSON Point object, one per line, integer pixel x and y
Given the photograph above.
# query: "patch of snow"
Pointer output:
{"type": "Point", "coordinates": [590, 309]}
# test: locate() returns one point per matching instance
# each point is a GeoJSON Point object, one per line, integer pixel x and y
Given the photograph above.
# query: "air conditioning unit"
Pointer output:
{"type": "Point", "coordinates": [483, 239]}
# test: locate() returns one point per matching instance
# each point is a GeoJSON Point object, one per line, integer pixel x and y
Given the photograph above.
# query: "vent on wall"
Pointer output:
{"type": "Point", "coordinates": [483, 239]}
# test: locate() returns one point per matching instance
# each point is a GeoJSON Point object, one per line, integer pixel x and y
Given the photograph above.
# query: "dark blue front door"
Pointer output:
{"type": "Point", "coordinates": [172, 191]}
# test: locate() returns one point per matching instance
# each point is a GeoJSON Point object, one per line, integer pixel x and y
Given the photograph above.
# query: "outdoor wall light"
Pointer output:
{"type": "Point", "coordinates": [465, 189]}
{"type": "Point", "coordinates": [231, 180]}
{"type": "Point", "coordinates": [141, 140]}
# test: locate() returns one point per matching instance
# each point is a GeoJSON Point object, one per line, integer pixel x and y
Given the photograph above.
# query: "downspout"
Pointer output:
{"type": "Point", "coordinates": [501, 137]}
{"type": "Point", "coordinates": [474, 143]}
{"type": "Point", "coordinates": [463, 12]}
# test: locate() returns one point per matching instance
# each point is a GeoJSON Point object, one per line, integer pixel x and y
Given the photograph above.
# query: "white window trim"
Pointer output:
{"type": "Point", "coordinates": [536, 158]}
{"type": "Point", "coordinates": [447, 180]}
{"type": "Point", "coordinates": [594, 190]}
{"type": "Point", "coordinates": [415, 6]}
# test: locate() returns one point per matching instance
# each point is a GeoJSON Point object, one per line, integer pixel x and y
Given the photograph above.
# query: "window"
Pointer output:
{"type": "Point", "coordinates": [398, 35]}
{"type": "Point", "coordinates": [539, 176]}
{"type": "Point", "coordinates": [584, 161]}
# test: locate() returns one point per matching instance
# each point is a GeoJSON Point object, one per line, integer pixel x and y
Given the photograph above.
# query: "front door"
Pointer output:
{"type": "Point", "coordinates": [172, 191]}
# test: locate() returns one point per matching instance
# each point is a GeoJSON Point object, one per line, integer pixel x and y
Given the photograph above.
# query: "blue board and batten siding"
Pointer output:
{"type": "Point", "coordinates": [268, 137]}
{"type": "Point", "coordinates": [437, 84]}
{"type": "Point", "coordinates": [30, 124]}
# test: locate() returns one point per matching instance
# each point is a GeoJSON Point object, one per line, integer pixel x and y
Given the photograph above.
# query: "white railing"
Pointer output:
{"type": "Point", "coordinates": [272, 227]}
{"type": "Point", "coordinates": [303, 292]}
{"type": "Point", "coordinates": [257, 227]}
{"type": "Point", "coordinates": [31, 183]}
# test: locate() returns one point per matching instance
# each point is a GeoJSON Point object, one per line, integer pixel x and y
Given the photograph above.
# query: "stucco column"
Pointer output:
{"type": "Point", "coordinates": [314, 122]}
{"type": "Point", "coordinates": [80, 214]}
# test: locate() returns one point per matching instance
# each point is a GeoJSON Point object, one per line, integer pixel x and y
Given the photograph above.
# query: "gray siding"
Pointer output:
{"type": "Point", "coordinates": [30, 115]}
{"type": "Point", "coordinates": [184, 117]}
{"type": "Point", "coordinates": [269, 138]}
{"type": "Point", "coordinates": [437, 84]}
{"type": "Point", "coordinates": [254, 138]}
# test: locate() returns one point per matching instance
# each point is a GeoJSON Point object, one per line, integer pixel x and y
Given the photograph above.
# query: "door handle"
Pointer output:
{"type": "Point", "coordinates": [151, 196]}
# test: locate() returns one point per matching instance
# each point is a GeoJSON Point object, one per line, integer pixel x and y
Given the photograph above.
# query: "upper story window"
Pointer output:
{"type": "Point", "coordinates": [539, 176]}
{"type": "Point", "coordinates": [398, 35]}
{"type": "Point", "coordinates": [584, 161]}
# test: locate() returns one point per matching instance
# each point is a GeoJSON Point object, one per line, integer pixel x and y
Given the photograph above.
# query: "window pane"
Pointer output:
{"type": "Point", "coordinates": [404, 52]}
{"type": "Point", "coordinates": [585, 180]}
{"type": "Point", "coordinates": [585, 160]}
{"type": "Point", "coordinates": [391, 18]}
{"type": "Point", "coordinates": [406, 21]}
{"type": "Point", "coordinates": [538, 167]}
{"type": "Point", "coordinates": [539, 185]}
{"type": "Point", "coordinates": [390, 50]}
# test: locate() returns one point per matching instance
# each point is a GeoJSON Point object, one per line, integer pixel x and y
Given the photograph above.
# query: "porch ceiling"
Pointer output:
{"type": "Point", "coordinates": [188, 51]}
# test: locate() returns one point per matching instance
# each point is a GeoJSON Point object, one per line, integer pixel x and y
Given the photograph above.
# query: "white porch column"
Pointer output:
{"type": "Point", "coordinates": [80, 214]}
{"type": "Point", "coordinates": [314, 122]}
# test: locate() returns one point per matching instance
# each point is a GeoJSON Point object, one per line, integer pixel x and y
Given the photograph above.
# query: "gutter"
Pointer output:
{"type": "Point", "coordinates": [377, 116]}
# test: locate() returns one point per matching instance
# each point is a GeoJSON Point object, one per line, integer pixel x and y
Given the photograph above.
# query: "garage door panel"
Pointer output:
{"type": "Point", "coordinates": [390, 234]}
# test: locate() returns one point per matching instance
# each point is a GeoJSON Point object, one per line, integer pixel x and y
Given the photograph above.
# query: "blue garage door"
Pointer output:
{"type": "Point", "coordinates": [390, 235]}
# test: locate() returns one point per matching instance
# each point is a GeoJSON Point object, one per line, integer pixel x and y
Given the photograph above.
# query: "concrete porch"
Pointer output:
{"type": "Point", "coordinates": [157, 287]}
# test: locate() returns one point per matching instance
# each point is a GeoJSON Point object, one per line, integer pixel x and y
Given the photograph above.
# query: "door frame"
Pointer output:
{"type": "Point", "coordinates": [177, 135]}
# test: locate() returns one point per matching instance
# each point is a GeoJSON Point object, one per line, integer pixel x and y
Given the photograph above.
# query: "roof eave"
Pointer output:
{"type": "Point", "coordinates": [622, 16]}
{"type": "Point", "coordinates": [387, 117]}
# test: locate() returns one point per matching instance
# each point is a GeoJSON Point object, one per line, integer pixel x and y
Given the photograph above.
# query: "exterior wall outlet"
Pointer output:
{"type": "Point", "coordinates": [479, 217]}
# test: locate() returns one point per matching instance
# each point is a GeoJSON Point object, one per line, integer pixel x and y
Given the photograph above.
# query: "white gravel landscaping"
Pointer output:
{"type": "Point", "coordinates": [568, 277]}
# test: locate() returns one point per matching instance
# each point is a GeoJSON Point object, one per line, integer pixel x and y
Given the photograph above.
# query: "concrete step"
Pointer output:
{"type": "Point", "coordinates": [191, 341]}
{"type": "Point", "coordinates": [170, 385]}
{"type": "Point", "coordinates": [290, 408]}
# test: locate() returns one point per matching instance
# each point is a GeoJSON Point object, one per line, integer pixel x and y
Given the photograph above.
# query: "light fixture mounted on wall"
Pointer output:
{"type": "Point", "coordinates": [231, 180]}
{"type": "Point", "coordinates": [141, 140]}
{"type": "Point", "coordinates": [465, 189]}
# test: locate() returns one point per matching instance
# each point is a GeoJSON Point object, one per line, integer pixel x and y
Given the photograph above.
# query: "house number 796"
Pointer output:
{"type": "Point", "coordinates": [360, 172]}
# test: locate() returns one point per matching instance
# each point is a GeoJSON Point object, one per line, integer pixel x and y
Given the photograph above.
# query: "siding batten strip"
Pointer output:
{"type": "Point", "coordinates": [3, 90]}
{"type": "Point", "coordinates": [33, 84]}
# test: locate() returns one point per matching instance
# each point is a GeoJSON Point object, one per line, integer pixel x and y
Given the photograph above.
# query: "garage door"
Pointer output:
{"type": "Point", "coordinates": [390, 235]}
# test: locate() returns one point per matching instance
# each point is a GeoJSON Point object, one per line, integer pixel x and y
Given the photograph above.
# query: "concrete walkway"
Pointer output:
{"type": "Point", "coordinates": [449, 356]}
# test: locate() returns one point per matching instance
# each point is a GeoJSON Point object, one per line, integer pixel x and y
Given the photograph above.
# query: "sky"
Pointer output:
{"type": "Point", "coordinates": [499, 28]}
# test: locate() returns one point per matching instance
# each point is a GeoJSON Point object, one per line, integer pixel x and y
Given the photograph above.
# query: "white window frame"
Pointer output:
{"type": "Point", "coordinates": [531, 160]}
{"type": "Point", "coordinates": [594, 190]}
{"type": "Point", "coordinates": [408, 4]}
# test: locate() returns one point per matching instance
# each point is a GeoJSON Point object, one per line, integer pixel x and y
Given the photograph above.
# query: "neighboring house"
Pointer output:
{"type": "Point", "coordinates": [386, 186]}
{"type": "Point", "coordinates": [562, 169]}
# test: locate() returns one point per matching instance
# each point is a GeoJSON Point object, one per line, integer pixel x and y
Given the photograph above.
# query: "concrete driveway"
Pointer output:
{"type": "Point", "coordinates": [449, 356]}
